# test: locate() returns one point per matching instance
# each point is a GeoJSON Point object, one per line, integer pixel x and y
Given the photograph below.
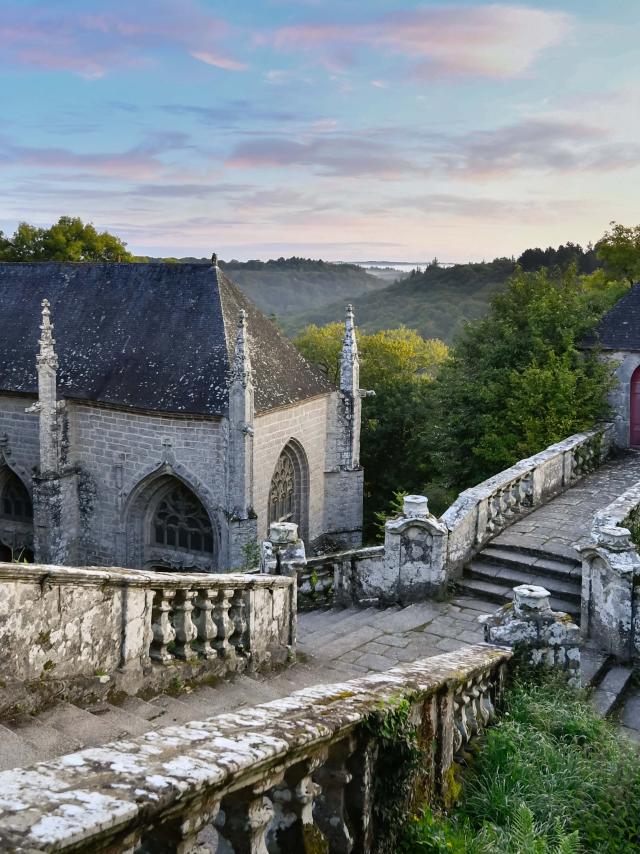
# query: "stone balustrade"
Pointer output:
{"type": "Point", "coordinates": [301, 774]}
{"type": "Point", "coordinates": [422, 555]}
{"type": "Point", "coordinates": [65, 627]}
{"type": "Point", "coordinates": [610, 579]}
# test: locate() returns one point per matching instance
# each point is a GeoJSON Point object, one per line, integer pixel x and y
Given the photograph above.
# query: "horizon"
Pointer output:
{"type": "Point", "coordinates": [306, 128]}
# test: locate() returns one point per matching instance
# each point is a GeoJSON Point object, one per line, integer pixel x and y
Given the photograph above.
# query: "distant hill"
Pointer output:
{"type": "Point", "coordinates": [435, 302]}
{"type": "Point", "coordinates": [297, 285]}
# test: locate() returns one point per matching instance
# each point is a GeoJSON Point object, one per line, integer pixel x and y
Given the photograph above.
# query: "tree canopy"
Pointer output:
{"type": "Point", "coordinates": [69, 239]}
{"type": "Point", "coordinates": [619, 251]}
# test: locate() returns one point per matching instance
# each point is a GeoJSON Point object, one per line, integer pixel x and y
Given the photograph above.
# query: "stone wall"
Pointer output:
{"type": "Point", "coordinates": [296, 774]}
{"type": "Point", "coordinates": [620, 395]}
{"type": "Point", "coordinates": [19, 444]}
{"type": "Point", "coordinates": [68, 625]}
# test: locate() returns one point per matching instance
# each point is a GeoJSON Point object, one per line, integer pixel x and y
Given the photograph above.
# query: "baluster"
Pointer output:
{"type": "Point", "coordinates": [239, 620]}
{"type": "Point", "coordinates": [296, 798]}
{"type": "Point", "coordinates": [526, 490]}
{"type": "Point", "coordinates": [460, 720]}
{"type": "Point", "coordinates": [248, 814]}
{"type": "Point", "coordinates": [205, 626]}
{"type": "Point", "coordinates": [224, 624]}
{"type": "Point", "coordinates": [179, 833]}
{"type": "Point", "coordinates": [185, 629]}
{"type": "Point", "coordinates": [330, 808]}
{"type": "Point", "coordinates": [163, 631]}
{"type": "Point", "coordinates": [510, 500]}
{"type": "Point", "coordinates": [484, 706]}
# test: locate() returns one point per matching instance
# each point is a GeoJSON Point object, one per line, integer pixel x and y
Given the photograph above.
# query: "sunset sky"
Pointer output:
{"type": "Point", "coordinates": [342, 129]}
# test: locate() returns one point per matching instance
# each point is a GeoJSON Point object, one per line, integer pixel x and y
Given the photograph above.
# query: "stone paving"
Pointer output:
{"type": "Point", "coordinates": [567, 519]}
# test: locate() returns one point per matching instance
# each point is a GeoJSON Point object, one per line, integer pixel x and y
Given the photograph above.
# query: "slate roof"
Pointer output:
{"type": "Point", "coordinates": [619, 329]}
{"type": "Point", "coordinates": [156, 337]}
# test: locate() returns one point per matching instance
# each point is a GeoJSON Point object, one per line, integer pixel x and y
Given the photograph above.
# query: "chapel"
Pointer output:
{"type": "Point", "coordinates": [166, 423]}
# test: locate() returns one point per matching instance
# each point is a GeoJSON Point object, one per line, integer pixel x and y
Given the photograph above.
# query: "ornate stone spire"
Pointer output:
{"type": "Point", "coordinates": [241, 371]}
{"type": "Point", "coordinates": [349, 362]}
{"type": "Point", "coordinates": [47, 355]}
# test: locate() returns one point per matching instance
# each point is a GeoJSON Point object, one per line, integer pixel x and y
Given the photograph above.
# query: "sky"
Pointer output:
{"type": "Point", "coordinates": [341, 129]}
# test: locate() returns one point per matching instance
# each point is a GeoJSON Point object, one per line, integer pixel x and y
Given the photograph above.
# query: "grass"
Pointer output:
{"type": "Point", "coordinates": [551, 778]}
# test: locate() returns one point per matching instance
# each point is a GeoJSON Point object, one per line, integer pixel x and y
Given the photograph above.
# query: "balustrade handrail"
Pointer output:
{"type": "Point", "coordinates": [487, 487]}
{"type": "Point", "coordinates": [118, 576]}
{"type": "Point", "coordinates": [615, 513]}
{"type": "Point", "coordinates": [167, 786]}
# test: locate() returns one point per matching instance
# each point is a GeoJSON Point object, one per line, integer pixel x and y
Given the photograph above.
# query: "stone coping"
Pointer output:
{"type": "Point", "coordinates": [470, 497]}
{"type": "Point", "coordinates": [613, 514]}
{"type": "Point", "coordinates": [119, 577]}
{"type": "Point", "coordinates": [113, 789]}
{"type": "Point", "coordinates": [361, 553]}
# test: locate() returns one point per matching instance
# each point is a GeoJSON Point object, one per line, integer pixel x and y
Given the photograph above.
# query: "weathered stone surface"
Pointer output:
{"type": "Point", "coordinates": [105, 794]}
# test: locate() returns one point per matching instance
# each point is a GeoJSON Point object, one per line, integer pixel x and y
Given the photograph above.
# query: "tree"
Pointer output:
{"type": "Point", "coordinates": [398, 364]}
{"type": "Point", "coordinates": [619, 250]}
{"type": "Point", "coordinates": [518, 380]}
{"type": "Point", "coordinates": [67, 240]}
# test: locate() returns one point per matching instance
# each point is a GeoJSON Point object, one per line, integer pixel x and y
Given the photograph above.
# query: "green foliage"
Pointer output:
{"type": "Point", "coordinates": [619, 251]}
{"type": "Point", "coordinates": [250, 554]}
{"type": "Point", "coordinates": [551, 778]}
{"type": "Point", "coordinates": [436, 302]}
{"type": "Point", "coordinates": [397, 771]}
{"type": "Point", "coordinates": [69, 239]}
{"type": "Point", "coordinates": [518, 381]}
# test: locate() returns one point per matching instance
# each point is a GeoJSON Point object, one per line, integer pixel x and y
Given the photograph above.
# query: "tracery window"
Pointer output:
{"type": "Point", "coordinates": [283, 491]}
{"type": "Point", "coordinates": [181, 522]}
{"type": "Point", "coordinates": [16, 503]}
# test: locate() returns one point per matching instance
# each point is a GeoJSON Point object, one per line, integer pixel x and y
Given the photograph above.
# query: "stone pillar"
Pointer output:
{"type": "Point", "coordinates": [530, 626]}
{"type": "Point", "coordinates": [47, 405]}
{"type": "Point", "coordinates": [344, 481]}
{"type": "Point", "coordinates": [415, 549]}
{"type": "Point", "coordinates": [284, 551]}
{"type": "Point", "coordinates": [242, 519]}
{"type": "Point", "coordinates": [610, 568]}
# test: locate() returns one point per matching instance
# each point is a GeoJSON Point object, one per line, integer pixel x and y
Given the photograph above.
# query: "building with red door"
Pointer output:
{"type": "Point", "coordinates": [618, 337]}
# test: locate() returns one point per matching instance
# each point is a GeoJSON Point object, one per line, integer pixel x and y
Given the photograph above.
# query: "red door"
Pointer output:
{"type": "Point", "coordinates": [634, 414]}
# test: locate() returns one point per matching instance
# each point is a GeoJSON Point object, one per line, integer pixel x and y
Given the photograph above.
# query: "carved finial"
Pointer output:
{"type": "Point", "coordinates": [214, 259]}
{"type": "Point", "coordinates": [241, 360]}
{"type": "Point", "coordinates": [47, 341]}
{"type": "Point", "coordinates": [349, 371]}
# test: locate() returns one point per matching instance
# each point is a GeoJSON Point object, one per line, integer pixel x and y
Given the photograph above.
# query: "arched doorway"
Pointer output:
{"type": "Point", "coordinates": [289, 490]}
{"type": "Point", "coordinates": [16, 519]}
{"type": "Point", "coordinates": [169, 529]}
{"type": "Point", "coordinates": [634, 410]}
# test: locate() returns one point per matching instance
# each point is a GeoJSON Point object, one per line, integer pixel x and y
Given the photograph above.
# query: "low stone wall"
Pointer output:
{"type": "Point", "coordinates": [71, 630]}
{"type": "Point", "coordinates": [299, 774]}
{"type": "Point", "coordinates": [423, 555]}
{"type": "Point", "coordinates": [610, 617]}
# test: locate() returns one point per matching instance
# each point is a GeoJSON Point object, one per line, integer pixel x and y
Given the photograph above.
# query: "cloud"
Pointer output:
{"type": "Point", "coordinates": [493, 40]}
{"type": "Point", "coordinates": [326, 154]}
{"type": "Point", "coordinates": [536, 145]}
{"type": "Point", "coordinates": [230, 113]}
{"type": "Point", "coordinates": [51, 38]}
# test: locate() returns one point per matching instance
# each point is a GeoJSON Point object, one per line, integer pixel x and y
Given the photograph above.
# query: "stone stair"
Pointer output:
{"type": "Point", "coordinates": [497, 569]}
{"type": "Point", "coordinates": [65, 728]}
{"type": "Point", "coordinates": [615, 690]}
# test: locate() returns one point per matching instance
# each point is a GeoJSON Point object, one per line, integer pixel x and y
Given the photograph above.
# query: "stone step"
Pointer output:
{"type": "Point", "coordinates": [90, 730]}
{"type": "Point", "coordinates": [593, 665]}
{"type": "Point", "coordinates": [551, 550]}
{"type": "Point", "coordinates": [630, 712]}
{"type": "Point", "coordinates": [547, 565]}
{"type": "Point", "coordinates": [44, 739]}
{"type": "Point", "coordinates": [501, 594]}
{"type": "Point", "coordinates": [342, 626]}
{"type": "Point", "coordinates": [568, 589]}
{"type": "Point", "coordinates": [609, 693]}
{"type": "Point", "coordinates": [14, 752]}
{"type": "Point", "coordinates": [128, 722]}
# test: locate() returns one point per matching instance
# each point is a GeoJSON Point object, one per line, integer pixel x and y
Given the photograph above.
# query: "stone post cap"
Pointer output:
{"type": "Point", "coordinates": [415, 506]}
{"type": "Point", "coordinates": [614, 537]}
{"type": "Point", "coordinates": [530, 597]}
{"type": "Point", "coordinates": [283, 532]}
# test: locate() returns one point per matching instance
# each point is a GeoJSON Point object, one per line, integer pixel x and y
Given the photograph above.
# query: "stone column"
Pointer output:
{"type": "Point", "coordinates": [284, 551]}
{"type": "Point", "coordinates": [541, 635]}
{"type": "Point", "coordinates": [610, 567]}
{"type": "Point", "coordinates": [415, 548]}
{"type": "Point", "coordinates": [242, 519]}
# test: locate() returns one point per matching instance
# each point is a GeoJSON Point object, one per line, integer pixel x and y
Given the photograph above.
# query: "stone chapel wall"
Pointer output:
{"type": "Point", "coordinates": [21, 431]}
{"type": "Point", "coordinates": [306, 422]}
{"type": "Point", "coordinates": [117, 449]}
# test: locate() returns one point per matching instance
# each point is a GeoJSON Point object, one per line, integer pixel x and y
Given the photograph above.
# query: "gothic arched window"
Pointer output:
{"type": "Point", "coordinates": [16, 503]}
{"type": "Point", "coordinates": [282, 494]}
{"type": "Point", "coordinates": [288, 493]}
{"type": "Point", "coordinates": [181, 522]}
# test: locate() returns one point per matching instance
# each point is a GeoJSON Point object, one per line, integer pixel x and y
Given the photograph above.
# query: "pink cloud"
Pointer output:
{"type": "Point", "coordinates": [127, 36]}
{"type": "Point", "coordinates": [496, 40]}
